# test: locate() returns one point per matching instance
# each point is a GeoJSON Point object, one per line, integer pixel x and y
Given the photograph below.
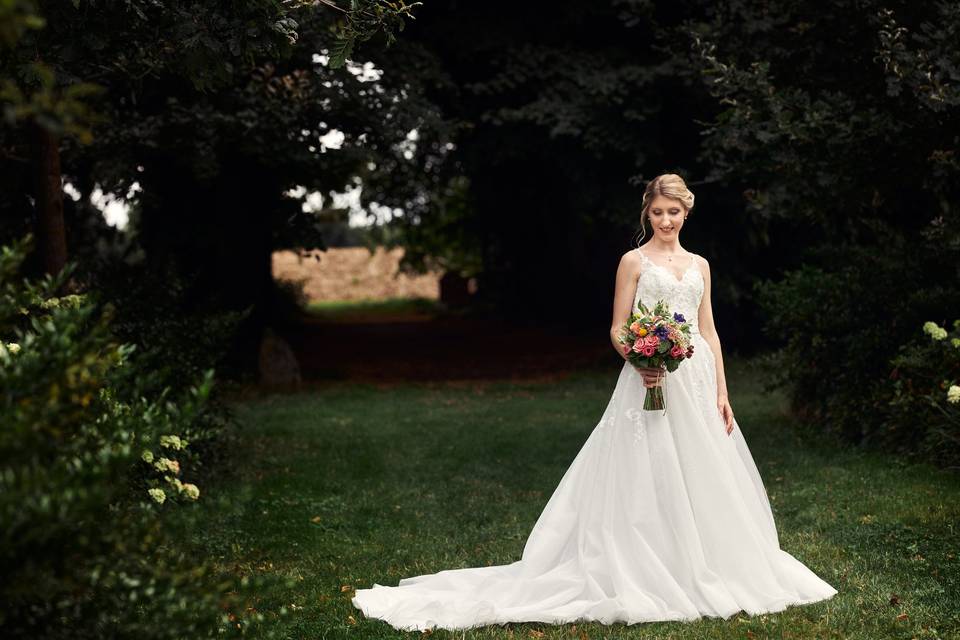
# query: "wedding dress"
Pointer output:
{"type": "Point", "coordinates": [662, 515]}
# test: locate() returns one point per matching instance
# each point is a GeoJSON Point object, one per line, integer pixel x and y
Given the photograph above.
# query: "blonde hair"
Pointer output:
{"type": "Point", "coordinates": [668, 185]}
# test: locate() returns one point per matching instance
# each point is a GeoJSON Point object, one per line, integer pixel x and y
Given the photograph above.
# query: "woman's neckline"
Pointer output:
{"type": "Point", "coordinates": [668, 270]}
{"type": "Point", "coordinates": [667, 253]}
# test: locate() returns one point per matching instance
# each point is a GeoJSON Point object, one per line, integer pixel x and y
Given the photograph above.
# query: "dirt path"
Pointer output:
{"type": "Point", "coordinates": [441, 349]}
{"type": "Point", "coordinates": [409, 346]}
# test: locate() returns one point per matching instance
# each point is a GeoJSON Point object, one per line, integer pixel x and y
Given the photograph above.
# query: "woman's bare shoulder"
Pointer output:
{"type": "Point", "coordinates": [630, 258]}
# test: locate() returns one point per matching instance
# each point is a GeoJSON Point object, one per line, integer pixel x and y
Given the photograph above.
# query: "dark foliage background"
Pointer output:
{"type": "Point", "coordinates": [821, 142]}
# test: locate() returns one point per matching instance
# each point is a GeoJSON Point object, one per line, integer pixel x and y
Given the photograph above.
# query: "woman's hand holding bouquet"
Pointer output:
{"type": "Point", "coordinates": [655, 342]}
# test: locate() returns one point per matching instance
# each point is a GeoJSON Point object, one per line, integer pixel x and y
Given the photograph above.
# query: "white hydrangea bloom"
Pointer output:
{"type": "Point", "coordinates": [953, 394]}
{"type": "Point", "coordinates": [191, 490]}
{"type": "Point", "coordinates": [934, 330]}
{"type": "Point", "coordinates": [171, 442]}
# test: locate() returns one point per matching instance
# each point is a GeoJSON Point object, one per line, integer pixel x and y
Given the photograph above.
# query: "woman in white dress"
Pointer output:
{"type": "Point", "coordinates": [662, 515]}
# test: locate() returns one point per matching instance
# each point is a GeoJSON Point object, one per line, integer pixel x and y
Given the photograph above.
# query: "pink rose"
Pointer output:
{"type": "Point", "coordinates": [677, 351]}
{"type": "Point", "coordinates": [638, 345]}
{"type": "Point", "coordinates": [652, 339]}
{"type": "Point", "coordinates": [648, 350]}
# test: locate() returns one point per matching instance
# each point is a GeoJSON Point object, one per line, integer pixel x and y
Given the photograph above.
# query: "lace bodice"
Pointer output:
{"type": "Point", "coordinates": [682, 294]}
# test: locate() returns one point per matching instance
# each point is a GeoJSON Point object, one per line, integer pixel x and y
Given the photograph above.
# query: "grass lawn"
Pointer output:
{"type": "Point", "coordinates": [370, 310]}
{"type": "Point", "coordinates": [349, 485]}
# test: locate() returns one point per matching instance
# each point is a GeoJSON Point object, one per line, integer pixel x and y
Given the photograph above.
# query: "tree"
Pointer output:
{"type": "Point", "coordinates": [216, 114]}
{"type": "Point", "coordinates": [563, 115]}
{"type": "Point", "coordinates": [834, 116]}
{"type": "Point", "coordinates": [58, 55]}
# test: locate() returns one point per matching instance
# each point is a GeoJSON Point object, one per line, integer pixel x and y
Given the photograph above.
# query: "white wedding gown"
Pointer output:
{"type": "Point", "coordinates": [661, 516]}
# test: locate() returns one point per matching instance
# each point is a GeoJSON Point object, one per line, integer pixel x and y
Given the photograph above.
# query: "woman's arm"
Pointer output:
{"type": "Point", "coordinates": [707, 329]}
{"type": "Point", "coordinates": [623, 298]}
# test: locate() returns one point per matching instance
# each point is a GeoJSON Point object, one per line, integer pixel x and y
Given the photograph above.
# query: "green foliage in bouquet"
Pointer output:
{"type": "Point", "coordinates": [92, 468]}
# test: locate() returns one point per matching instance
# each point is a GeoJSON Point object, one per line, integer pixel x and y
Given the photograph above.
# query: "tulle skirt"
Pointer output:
{"type": "Point", "coordinates": [661, 516]}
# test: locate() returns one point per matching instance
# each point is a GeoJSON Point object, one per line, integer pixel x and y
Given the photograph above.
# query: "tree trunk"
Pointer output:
{"type": "Point", "coordinates": [50, 230]}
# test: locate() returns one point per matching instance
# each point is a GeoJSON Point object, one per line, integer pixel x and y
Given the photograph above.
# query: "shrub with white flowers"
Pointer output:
{"type": "Point", "coordinates": [92, 463]}
{"type": "Point", "coordinates": [924, 411]}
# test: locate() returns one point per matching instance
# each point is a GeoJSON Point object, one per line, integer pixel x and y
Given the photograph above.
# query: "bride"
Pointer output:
{"type": "Point", "coordinates": [662, 515]}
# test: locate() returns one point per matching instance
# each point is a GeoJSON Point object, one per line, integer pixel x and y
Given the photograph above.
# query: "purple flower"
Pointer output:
{"type": "Point", "coordinates": [662, 332]}
{"type": "Point", "coordinates": [679, 317]}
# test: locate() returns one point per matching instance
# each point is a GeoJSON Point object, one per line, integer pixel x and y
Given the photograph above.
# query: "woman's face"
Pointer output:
{"type": "Point", "coordinates": [666, 217]}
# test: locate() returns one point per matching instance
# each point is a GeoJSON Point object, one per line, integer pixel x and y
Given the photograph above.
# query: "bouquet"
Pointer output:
{"type": "Point", "coordinates": [656, 339]}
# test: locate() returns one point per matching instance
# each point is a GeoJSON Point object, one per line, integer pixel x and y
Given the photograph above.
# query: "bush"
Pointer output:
{"type": "Point", "coordinates": [176, 338]}
{"type": "Point", "coordinates": [924, 415]}
{"type": "Point", "coordinates": [176, 342]}
{"type": "Point", "coordinates": [843, 324]}
{"type": "Point", "coordinates": [93, 463]}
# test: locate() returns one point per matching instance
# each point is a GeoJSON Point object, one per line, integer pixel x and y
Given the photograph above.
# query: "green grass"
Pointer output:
{"type": "Point", "coordinates": [348, 310]}
{"type": "Point", "coordinates": [349, 485]}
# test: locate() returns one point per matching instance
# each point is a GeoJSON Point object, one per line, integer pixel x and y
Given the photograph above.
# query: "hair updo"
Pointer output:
{"type": "Point", "coordinates": [668, 185]}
